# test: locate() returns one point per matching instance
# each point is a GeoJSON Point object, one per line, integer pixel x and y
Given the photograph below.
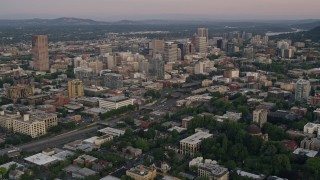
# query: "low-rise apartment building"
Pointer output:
{"type": "Point", "coordinates": [115, 102]}
{"type": "Point", "coordinates": [213, 172]}
{"type": "Point", "coordinates": [191, 144]}
{"type": "Point", "coordinates": [34, 124]}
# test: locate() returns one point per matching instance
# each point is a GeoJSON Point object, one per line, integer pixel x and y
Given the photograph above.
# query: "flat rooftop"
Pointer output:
{"type": "Point", "coordinates": [91, 140]}
{"type": "Point", "coordinates": [311, 125]}
{"type": "Point", "coordinates": [38, 96]}
{"type": "Point", "coordinates": [250, 175]}
{"type": "Point", "coordinates": [306, 152]}
{"type": "Point", "coordinates": [214, 169]}
{"type": "Point", "coordinates": [63, 155]}
{"type": "Point", "coordinates": [138, 171]}
{"type": "Point", "coordinates": [41, 115]}
{"type": "Point", "coordinates": [177, 128]}
{"type": "Point", "coordinates": [36, 117]}
{"type": "Point", "coordinates": [40, 159]}
{"type": "Point", "coordinates": [117, 98]}
{"type": "Point", "coordinates": [95, 89]}
{"type": "Point", "coordinates": [113, 74]}
{"type": "Point", "coordinates": [109, 177]}
{"type": "Point", "coordinates": [112, 131]}
{"type": "Point", "coordinates": [196, 138]}
{"type": "Point", "coordinates": [95, 110]}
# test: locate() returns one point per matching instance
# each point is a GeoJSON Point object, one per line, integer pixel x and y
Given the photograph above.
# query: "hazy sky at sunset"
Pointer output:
{"type": "Point", "coordinates": [160, 9]}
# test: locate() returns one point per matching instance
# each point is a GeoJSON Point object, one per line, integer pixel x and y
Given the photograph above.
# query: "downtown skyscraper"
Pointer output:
{"type": "Point", "coordinates": [203, 32]}
{"type": "Point", "coordinates": [40, 55]}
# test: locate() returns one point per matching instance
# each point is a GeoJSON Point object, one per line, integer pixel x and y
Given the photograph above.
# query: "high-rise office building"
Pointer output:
{"type": "Point", "coordinates": [243, 36]}
{"type": "Point", "coordinates": [224, 44]}
{"type": "Point", "coordinates": [179, 54]}
{"type": "Point", "coordinates": [248, 36]}
{"type": "Point", "coordinates": [302, 90]}
{"type": "Point", "coordinates": [203, 32]}
{"type": "Point", "coordinates": [230, 36]}
{"type": "Point", "coordinates": [144, 67]}
{"type": "Point", "coordinates": [199, 68]}
{"type": "Point", "coordinates": [265, 39]}
{"type": "Point", "coordinates": [82, 72]}
{"type": "Point", "coordinates": [40, 55]}
{"type": "Point", "coordinates": [103, 49]}
{"type": "Point", "coordinates": [170, 52]}
{"type": "Point", "coordinates": [75, 88]}
{"type": "Point", "coordinates": [194, 39]}
{"type": "Point", "coordinates": [156, 46]}
{"type": "Point", "coordinates": [113, 81]}
{"type": "Point", "coordinates": [111, 61]}
{"type": "Point", "coordinates": [230, 48]}
{"type": "Point", "coordinates": [182, 51]}
{"type": "Point", "coordinates": [189, 48]}
{"type": "Point", "coordinates": [219, 43]}
{"type": "Point", "coordinates": [248, 52]}
{"type": "Point", "coordinates": [287, 53]}
{"type": "Point", "coordinates": [157, 66]}
{"type": "Point", "coordinates": [201, 44]}
{"type": "Point", "coordinates": [96, 66]}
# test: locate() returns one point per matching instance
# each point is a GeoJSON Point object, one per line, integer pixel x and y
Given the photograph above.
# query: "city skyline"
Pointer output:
{"type": "Point", "coordinates": [165, 9]}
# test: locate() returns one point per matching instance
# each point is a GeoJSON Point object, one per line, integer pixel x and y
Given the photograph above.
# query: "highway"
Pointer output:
{"type": "Point", "coordinates": [58, 140]}
{"type": "Point", "coordinates": [80, 133]}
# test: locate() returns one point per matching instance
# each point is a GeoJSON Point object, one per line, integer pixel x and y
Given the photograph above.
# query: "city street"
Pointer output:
{"type": "Point", "coordinates": [58, 140]}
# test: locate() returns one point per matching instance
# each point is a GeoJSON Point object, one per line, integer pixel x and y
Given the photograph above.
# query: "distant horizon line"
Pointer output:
{"type": "Point", "coordinates": [163, 19]}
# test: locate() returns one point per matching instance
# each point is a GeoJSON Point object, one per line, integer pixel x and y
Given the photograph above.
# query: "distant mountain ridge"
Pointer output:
{"type": "Point", "coordinates": [58, 21]}
{"type": "Point", "coordinates": [69, 21]}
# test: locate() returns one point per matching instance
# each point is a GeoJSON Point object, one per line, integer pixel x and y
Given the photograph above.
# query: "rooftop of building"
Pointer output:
{"type": "Point", "coordinates": [177, 128]}
{"type": "Point", "coordinates": [40, 159]}
{"type": "Point", "coordinates": [90, 140]}
{"type": "Point", "coordinates": [63, 155]}
{"type": "Point", "coordinates": [188, 118]}
{"type": "Point", "coordinates": [75, 80]}
{"type": "Point", "coordinates": [95, 88]}
{"type": "Point", "coordinates": [73, 106]}
{"type": "Point", "coordinates": [95, 110]}
{"type": "Point", "coordinates": [38, 96]}
{"type": "Point", "coordinates": [32, 117]}
{"type": "Point", "coordinates": [214, 169]}
{"type": "Point", "coordinates": [140, 170]}
{"type": "Point", "coordinates": [117, 98]}
{"type": "Point", "coordinates": [112, 131]}
{"type": "Point", "coordinates": [250, 175]}
{"type": "Point", "coordinates": [306, 152]}
{"type": "Point", "coordinates": [196, 138]}
{"type": "Point", "coordinates": [86, 158]}
{"type": "Point", "coordinates": [109, 177]}
{"type": "Point", "coordinates": [42, 115]}
{"type": "Point", "coordinates": [311, 125]}
{"type": "Point", "coordinates": [89, 99]}
{"type": "Point", "coordinates": [113, 74]}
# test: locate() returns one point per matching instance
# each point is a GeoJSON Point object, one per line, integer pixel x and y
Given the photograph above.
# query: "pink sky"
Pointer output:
{"type": "Point", "coordinates": [146, 9]}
